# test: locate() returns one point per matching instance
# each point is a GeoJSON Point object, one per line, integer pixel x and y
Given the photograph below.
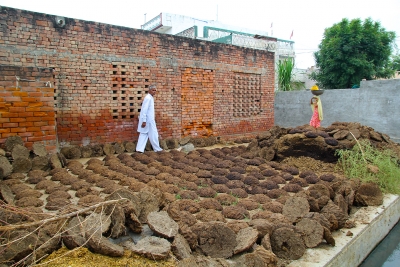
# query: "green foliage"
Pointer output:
{"type": "Point", "coordinates": [177, 196]}
{"type": "Point", "coordinates": [285, 75]}
{"type": "Point", "coordinates": [298, 85]}
{"type": "Point", "coordinates": [234, 203]}
{"type": "Point", "coordinates": [356, 163]}
{"type": "Point", "coordinates": [351, 51]}
{"type": "Point", "coordinates": [246, 219]}
{"type": "Point", "coordinates": [201, 185]}
{"type": "Point", "coordinates": [396, 62]}
{"type": "Point", "coordinates": [286, 80]}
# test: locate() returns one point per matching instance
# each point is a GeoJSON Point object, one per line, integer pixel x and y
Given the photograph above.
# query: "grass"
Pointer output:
{"type": "Point", "coordinates": [286, 76]}
{"type": "Point", "coordinates": [357, 163]}
{"type": "Point", "coordinates": [202, 185]}
{"type": "Point", "coordinates": [234, 203]}
{"type": "Point", "coordinates": [246, 219]}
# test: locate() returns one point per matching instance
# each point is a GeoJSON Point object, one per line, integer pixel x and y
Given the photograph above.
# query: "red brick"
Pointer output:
{"type": "Point", "coordinates": [10, 124]}
{"type": "Point", "coordinates": [48, 109]}
{"type": "Point", "coordinates": [41, 123]}
{"type": "Point", "coordinates": [17, 119]}
{"type": "Point", "coordinates": [34, 109]}
{"type": "Point", "coordinates": [47, 90]}
{"type": "Point", "coordinates": [29, 99]}
{"type": "Point", "coordinates": [19, 94]}
{"type": "Point", "coordinates": [35, 94]}
{"type": "Point", "coordinates": [33, 119]}
{"type": "Point", "coordinates": [25, 114]}
{"type": "Point", "coordinates": [26, 134]}
{"type": "Point", "coordinates": [40, 114]}
{"type": "Point", "coordinates": [47, 128]}
{"type": "Point", "coordinates": [38, 133]}
{"type": "Point", "coordinates": [20, 104]}
{"type": "Point", "coordinates": [26, 124]}
{"type": "Point", "coordinates": [35, 104]}
{"type": "Point", "coordinates": [4, 94]}
{"type": "Point", "coordinates": [18, 130]}
{"type": "Point", "coordinates": [16, 109]}
{"type": "Point", "coordinates": [42, 23]}
{"type": "Point", "coordinates": [11, 99]}
{"type": "Point", "coordinates": [33, 129]}
{"type": "Point", "coordinates": [49, 137]}
{"type": "Point", "coordinates": [6, 135]}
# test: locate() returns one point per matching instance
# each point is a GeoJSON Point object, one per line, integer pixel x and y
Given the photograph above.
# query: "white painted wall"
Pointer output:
{"type": "Point", "coordinates": [176, 23]}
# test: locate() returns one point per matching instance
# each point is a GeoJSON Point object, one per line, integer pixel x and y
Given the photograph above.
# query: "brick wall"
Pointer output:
{"type": "Point", "coordinates": [102, 72]}
{"type": "Point", "coordinates": [27, 105]}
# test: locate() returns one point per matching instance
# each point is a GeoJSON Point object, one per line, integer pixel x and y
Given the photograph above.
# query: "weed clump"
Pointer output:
{"type": "Point", "coordinates": [369, 164]}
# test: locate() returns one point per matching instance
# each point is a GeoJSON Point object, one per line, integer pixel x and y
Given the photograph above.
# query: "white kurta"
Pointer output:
{"type": "Point", "coordinates": [150, 131]}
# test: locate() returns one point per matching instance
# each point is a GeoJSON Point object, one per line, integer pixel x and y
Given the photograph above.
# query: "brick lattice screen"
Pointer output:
{"type": "Point", "coordinates": [129, 84]}
{"type": "Point", "coordinates": [247, 92]}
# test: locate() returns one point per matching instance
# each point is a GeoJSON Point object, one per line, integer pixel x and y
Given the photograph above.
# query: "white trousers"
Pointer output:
{"type": "Point", "coordinates": [152, 134]}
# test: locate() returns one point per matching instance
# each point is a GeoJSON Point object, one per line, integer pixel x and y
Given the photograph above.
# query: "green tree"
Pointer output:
{"type": "Point", "coordinates": [396, 62]}
{"type": "Point", "coordinates": [351, 51]}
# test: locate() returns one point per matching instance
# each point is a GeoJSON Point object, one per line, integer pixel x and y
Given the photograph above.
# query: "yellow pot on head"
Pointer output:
{"type": "Point", "coordinates": [314, 87]}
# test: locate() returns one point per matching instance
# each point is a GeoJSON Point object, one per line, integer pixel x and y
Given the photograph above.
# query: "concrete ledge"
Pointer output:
{"type": "Point", "coordinates": [372, 225]}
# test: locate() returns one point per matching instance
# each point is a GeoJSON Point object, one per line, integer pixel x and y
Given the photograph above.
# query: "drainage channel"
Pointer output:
{"type": "Point", "coordinates": [387, 252]}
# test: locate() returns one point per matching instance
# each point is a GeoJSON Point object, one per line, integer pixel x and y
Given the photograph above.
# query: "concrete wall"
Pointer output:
{"type": "Point", "coordinates": [375, 104]}
{"type": "Point", "coordinates": [101, 74]}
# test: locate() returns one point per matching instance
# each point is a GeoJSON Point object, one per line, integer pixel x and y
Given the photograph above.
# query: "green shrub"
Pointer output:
{"type": "Point", "coordinates": [363, 157]}
{"type": "Point", "coordinates": [286, 80]}
{"type": "Point", "coordinates": [285, 74]}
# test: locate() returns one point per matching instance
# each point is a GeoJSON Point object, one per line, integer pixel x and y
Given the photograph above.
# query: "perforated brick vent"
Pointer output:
{"type": "Point", "coordinates": [129, 85]}
{"type": "Point", "coordinates": [247, 95]}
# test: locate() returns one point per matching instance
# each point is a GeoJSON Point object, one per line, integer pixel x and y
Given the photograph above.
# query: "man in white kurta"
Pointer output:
{"type": "Point", "coordinates": [147, 124]}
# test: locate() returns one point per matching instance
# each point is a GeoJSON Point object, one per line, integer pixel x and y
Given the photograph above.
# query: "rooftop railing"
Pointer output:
{"type": "Point", "coordinates": [283, 47]}
{"type": "Point", "coordinates": [189, 32]}
{"type": "Point", "coordinates": [153, 24]}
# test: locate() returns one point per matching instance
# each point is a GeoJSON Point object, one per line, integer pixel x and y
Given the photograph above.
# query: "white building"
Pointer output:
{"type": "Point", "coordinates": [217, 32]}
{"type": "Point", "coordinates": [302, 75]}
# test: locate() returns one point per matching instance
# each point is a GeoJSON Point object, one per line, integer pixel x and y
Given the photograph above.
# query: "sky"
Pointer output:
{"type": "Point", "coordinates": [307, 19]}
